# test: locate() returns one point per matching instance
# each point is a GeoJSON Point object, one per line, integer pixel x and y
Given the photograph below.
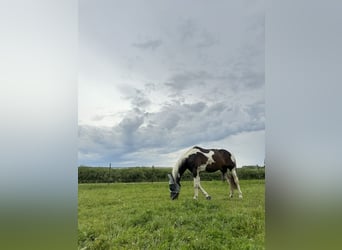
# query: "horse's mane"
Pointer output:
{"type": "Point", "coordinates": [180, 162]}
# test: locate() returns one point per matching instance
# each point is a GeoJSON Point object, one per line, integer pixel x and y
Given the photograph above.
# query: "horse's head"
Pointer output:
{"type": "Point", "coordinates": [174, 187]}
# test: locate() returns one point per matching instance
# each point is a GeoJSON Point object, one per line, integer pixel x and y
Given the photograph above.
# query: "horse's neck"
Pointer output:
{"type": "Point", "coordinates": [179, 169]}
{"type": "Point", "coordinates": [175, 172]}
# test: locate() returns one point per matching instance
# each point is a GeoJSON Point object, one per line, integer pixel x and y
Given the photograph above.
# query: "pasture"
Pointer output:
{"type": "Point", "coordinates": [142, 216]}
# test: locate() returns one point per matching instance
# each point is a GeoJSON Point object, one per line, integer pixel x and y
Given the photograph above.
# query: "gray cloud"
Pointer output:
{"type": "Point", "coordinates": [175, 126]}
{"type": "Point", "coordinates": [245, 78]}
{"type": "Point", "coordinates": [188, 29]}
{"type": "Point", "coordinates": [150, 45]}
{"type": "Point", "coordinates": [139, 99]}
{"type": "Point", "coordinates": [192, 32]}
{"type": "Point", "coordinates": [131, 123]}
{"type": "Point", "coordinates": [206, 40]}
{"type": "Point", "coordinates": [183, 80]}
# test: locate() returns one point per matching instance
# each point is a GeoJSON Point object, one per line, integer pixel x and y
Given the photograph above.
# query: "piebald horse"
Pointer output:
{"type": "Point", "coordinates": [199, 159]}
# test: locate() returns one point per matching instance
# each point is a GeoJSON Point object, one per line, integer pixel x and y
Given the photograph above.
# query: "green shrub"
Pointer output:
{"type": "Point", "coordinates": [157, 174]}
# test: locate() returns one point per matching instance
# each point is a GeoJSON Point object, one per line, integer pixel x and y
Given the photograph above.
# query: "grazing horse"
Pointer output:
{"type": "Point", "coordinates": [199, 159]}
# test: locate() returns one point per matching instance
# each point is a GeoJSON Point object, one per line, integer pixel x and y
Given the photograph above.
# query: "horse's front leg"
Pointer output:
{"type": "Point", "coordinates": [196, 186]}
{"type": "Point", "coordinates": [236, 179]}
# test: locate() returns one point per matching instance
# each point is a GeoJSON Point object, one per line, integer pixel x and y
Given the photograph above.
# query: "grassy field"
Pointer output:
{"type": "Point", "coordinates": [142, 216]}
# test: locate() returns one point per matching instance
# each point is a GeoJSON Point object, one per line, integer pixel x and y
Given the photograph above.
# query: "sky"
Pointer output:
{"type": "Point", "coordinates": [158, 77]}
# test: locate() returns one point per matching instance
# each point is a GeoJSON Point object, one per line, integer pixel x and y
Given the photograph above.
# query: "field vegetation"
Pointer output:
{"type": "Point", "coordinates": [153, 174]}
{"type": "Point", "coordinates": [142, 216]}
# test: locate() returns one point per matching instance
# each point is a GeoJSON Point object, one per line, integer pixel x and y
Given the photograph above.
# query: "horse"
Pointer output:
{"type": "Point", "coordinates": [198, 159]}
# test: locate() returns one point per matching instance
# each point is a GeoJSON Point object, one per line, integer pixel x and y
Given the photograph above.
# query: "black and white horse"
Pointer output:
{"type": "Point", "coordinates": [199, 159]}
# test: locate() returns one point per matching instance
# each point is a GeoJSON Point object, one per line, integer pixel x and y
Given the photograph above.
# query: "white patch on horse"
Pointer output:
{"type": "Point", "coordinates": [210, 157]}
{"type": "Point", "coordinates": [209, 161]}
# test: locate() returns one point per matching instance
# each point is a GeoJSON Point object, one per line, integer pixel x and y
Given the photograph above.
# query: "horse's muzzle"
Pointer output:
{"type": "Point", "coordinates": [174, 188]}
{"type": "Point", "coordinates": [174, 195]}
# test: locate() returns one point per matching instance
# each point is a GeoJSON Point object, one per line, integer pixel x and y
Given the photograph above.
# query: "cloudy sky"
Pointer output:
{"type": "Point", "coordinates": [158, 77]}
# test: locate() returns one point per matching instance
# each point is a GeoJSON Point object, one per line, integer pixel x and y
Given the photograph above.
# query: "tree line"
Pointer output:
{"type": "Point", "coordinates": [155, 174]}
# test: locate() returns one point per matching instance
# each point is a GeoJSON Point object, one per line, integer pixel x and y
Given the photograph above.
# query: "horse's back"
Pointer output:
{"type": "Point", "coordinates": [223, 159]}
{"type": "Point", "coordinates": [229, 158]}
{"type": "Point", "coordinates": [224, 153]}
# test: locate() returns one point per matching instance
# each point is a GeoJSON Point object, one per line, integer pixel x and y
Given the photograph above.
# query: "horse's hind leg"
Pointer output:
{"type": "Point", "coordinates": [236, 180]}
{"type": "Point", "coordinates": [230, 185]}
{"type": "Point", "coordinates": [207, 196]}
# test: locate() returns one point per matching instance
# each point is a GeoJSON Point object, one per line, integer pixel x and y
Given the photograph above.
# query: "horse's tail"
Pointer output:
{"type": "Point", "coordinates": [232, 179]}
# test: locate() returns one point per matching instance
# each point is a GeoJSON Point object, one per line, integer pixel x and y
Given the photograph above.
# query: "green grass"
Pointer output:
{"type": "Point", "coordinates": [142, 216]}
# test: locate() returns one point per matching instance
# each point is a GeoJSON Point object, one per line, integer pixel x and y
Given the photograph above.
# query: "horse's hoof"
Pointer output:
{"type": "Point", "coordinates": [195, 197]}
{"type": "Point", "coordinates": [240, 196]}
{"type": "Point", "coordinates": [208, 197]}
